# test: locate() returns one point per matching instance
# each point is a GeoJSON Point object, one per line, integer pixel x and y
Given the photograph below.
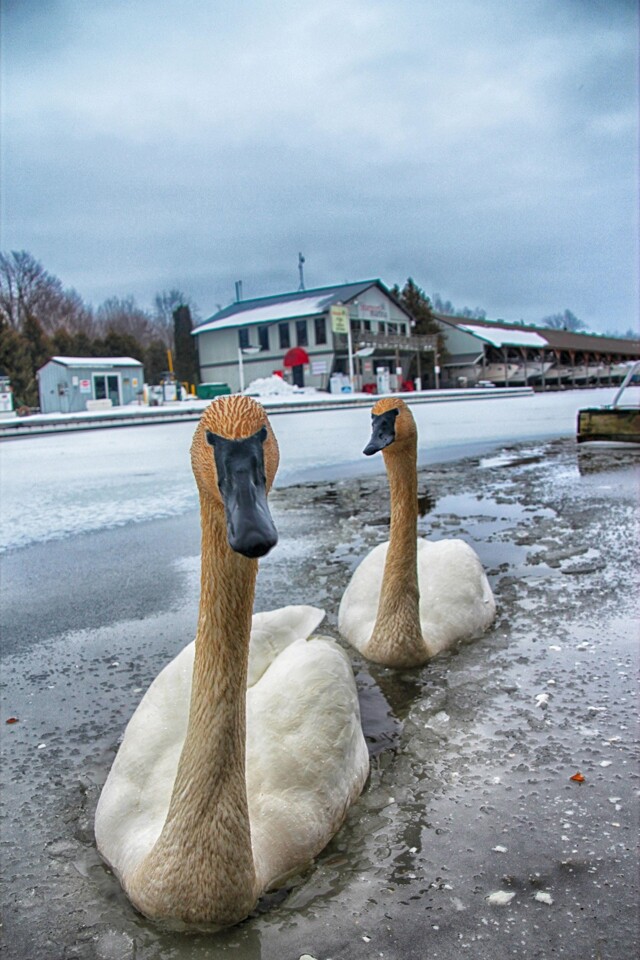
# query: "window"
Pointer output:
{"type": "Point", "coordinates": [243, 338]}
{"type": "Point", "coordinates": [302, 338]}
{"type": "Point", "coordinates": [263, 337]}
{"type": "Point", "coordinates": [107, 387]}
{"type": "Point", "coordinates": [285, 339]}
{"type": "Point", "coordinates": [366, 324]}
{"type": "Point", "coordinates": [320, 324]}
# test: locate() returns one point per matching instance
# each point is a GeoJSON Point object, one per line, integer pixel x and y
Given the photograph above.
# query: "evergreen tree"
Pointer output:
{"type": "Point", "coordinates": [186, 354]}
{"type": "Point", "coordinates": [155, 361]}
{"type": "Point", "coordinates": [15, 363]}
{"type": "Point", "coordinates": [62, 344]}
{"type": "Point", "coordinates": [117, 344]}
{"type": "Point", "coordinates": [415, 300]}
{"type": "Point", "coordinates": [38, 344]}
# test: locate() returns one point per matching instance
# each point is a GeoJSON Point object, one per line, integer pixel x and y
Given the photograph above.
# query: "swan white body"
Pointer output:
{"type": "Point", "coordinates": [456, 602]}
{"type": "Point", "coordinates": [246, 752]}
{"type": "Point", "coordinates": [307, 759]}
{"type": "Point", "coordinates": [410, 598]}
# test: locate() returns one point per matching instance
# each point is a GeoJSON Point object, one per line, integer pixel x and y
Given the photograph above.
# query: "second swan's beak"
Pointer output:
{"type": "Point", "coordinates": [241, 481]}
{"type": "Point", "coordinates": [383, 431]}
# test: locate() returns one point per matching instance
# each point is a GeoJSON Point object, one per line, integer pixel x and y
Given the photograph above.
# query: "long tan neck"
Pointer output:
{"type": "Point", "coordinates": [397, 637]}
{"type": "Point", "coordinates": [201, 868]}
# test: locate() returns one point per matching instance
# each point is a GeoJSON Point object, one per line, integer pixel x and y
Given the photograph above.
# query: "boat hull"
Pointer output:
{"type": "Point", "coordinates": [620, 424]}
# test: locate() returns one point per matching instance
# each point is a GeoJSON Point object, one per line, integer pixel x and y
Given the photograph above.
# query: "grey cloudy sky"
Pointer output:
{"type": "Point", "coordinates": [487, 149]}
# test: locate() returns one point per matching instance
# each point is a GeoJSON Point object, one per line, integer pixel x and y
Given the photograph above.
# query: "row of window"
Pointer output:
{"type": "Point", "coordinates": [302, 332]}
{"type": "Point", "coordinates": [284, 334]}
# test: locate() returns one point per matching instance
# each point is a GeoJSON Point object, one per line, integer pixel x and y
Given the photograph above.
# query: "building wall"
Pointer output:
{"type": "Point", "coordinates": [66, 389]}
{"type": "Point", "coordinates": [218, 352]}
{"type": "Point", "coordinates": [218, 349]}
{"type": "Point", "coordinates": [374, 311]}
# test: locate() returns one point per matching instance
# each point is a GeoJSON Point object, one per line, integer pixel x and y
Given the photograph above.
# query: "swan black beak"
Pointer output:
{"type": "Point", "coordinates": [242, 484]}
{"type": "Point", "coordinates": [383, 431]}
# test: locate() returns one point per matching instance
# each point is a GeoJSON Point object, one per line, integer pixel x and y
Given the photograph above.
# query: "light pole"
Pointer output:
{"type": "Point", "coordinates": [249, 351]}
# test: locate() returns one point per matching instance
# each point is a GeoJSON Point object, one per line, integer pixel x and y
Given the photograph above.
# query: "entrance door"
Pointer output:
{"type": "Point", "coordinates": [107, 386]}
{"type": "Point", "coordinates": [298, 375]}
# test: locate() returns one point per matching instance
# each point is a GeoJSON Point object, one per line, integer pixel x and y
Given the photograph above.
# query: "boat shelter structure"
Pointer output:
{"type": "Point", "coordinates": [483, 352]}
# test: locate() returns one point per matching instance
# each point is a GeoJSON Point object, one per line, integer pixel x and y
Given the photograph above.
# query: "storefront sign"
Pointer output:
{"type": "Point", "coordinates": [373, 311]}
{"type": "Point", "coordinates": [339, 319]}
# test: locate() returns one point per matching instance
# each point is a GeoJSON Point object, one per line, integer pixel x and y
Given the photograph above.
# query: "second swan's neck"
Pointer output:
{"type": "Point", "coordinates": [201, 868]}
{"type": "Point", "coordinates": [397, 635]}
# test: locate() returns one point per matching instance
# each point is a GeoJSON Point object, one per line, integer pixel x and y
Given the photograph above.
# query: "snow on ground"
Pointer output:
{"type": "Point", "coordinates": [59, 485]}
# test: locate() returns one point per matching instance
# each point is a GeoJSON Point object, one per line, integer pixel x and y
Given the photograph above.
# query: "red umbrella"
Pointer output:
{"type": "Point", "coordinates": [296, 357]}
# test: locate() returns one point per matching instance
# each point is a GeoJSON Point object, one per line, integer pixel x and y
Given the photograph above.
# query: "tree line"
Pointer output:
{"type": "Point", "coordinates": [40, 318]}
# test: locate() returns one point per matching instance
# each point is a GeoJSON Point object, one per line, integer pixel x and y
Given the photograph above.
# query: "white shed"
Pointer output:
{"type": "Point", "coordinates": [65, 384]}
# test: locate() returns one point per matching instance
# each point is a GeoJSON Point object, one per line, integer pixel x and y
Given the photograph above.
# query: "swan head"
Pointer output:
{"type": "Point", "coordinates": [391, 423]}
{"type": "Point", "coordinates": [234, 456]}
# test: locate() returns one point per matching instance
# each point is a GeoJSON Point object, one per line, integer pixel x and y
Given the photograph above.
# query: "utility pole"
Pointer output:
{"type": "Point", "coordinates": [301, 271]}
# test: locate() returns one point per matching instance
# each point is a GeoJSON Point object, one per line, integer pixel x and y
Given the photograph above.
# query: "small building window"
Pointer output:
{"type": "Point", "coordinates": [320, 324]}
{"type": "Point", "coordinates": [263, 337]}
{"type": "Point", "coordinates": [381, 327]}
{"type": "Point", "coordinates": [243, 338]}
{"type": "Point", "coordinates": [285, 339]}
{"type": "Point", "coordinates": [366, 325]}
{"type": "Point", "coordinates": [302, 337]}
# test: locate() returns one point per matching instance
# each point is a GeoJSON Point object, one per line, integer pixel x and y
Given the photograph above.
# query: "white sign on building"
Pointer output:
{"type": "Point", "coordinates": [373, 311]}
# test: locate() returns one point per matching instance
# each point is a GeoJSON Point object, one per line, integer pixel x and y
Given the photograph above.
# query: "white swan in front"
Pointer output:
{"type": "Point", "coordinates": [410, 598]}
{"type": "Point", "coordinates": [238, 766]}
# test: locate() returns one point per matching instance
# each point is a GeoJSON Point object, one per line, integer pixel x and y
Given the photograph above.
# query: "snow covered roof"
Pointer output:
{"type": "Point", "coordinates": [305, 307]}
{"type": "Point", "coordinates": [97, 361]}
{"type": "Point", "coordinates": [285, 306]}
{"type": "Point", "coordinates": [502, 337]}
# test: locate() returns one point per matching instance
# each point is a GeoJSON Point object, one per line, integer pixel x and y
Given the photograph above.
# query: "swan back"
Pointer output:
{"type": "Point", "coordinates": [456, 602]}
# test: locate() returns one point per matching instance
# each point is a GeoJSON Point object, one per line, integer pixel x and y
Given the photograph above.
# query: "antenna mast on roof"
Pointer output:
{"type": "Point", "coordinates": [301, 271]}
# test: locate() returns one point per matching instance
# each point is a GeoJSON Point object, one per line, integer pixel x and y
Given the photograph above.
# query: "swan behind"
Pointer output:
{"type": "Point", "coordinates": [410, 598]}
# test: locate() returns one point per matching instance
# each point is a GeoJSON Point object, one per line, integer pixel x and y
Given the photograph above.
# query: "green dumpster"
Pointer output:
{"type": "Point", "coordinates": [207, 391]}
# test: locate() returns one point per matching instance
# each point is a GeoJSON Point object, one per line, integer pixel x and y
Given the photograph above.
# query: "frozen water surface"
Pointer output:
{"type": "Point", "coordinates": [64, 484]}
{"type": "Point", "coordinates": [471, 838]}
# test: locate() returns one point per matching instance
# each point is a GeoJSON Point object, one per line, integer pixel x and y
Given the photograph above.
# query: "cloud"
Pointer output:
{"type": "Point", "coordinates": [487, 150]}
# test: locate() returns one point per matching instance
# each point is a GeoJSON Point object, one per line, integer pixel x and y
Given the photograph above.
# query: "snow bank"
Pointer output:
{"type": "Point", "coordinates": [275, 386]}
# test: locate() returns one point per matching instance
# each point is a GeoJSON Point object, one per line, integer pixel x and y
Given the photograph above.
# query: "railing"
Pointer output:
{"type": "Point", "coordinates": [415, 343]}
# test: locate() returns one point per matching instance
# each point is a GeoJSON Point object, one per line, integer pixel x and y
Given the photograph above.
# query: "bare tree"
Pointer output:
{"type": "Point", "coordinates": [564, 321]}
{"type": "Point", "coordinates": [27, 290]}
{"type": "Point", "coordinates": [165, 305]}
{"type": "Point", "coordinates": [124, 316]}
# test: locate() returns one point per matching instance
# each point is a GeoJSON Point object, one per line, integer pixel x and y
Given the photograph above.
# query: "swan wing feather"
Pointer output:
{"type": "Point", "coordinates": [135, 799]}
{"type": "Point", "coordinates": [307, 758]}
